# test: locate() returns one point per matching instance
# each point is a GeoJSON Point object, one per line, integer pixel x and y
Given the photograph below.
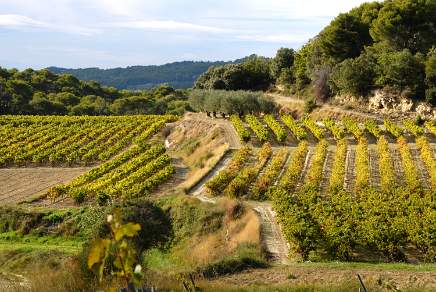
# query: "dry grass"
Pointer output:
{"type": "Point", "coordinates": [242, 230]}
{"type": "Point", "coordinates": [200, 145]}
{"type": "Point", "coordinates": [51, 275]}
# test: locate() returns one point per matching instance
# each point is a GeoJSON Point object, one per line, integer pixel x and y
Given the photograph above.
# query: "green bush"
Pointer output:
{"type": "Point", "coordinates": [309, 105]}
{"type": "Point", "coordinates": [79, 195]}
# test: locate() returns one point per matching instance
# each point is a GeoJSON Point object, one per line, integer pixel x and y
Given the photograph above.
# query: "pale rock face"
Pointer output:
{"type": "Point", "coordinates": [389, 103]}
{"type": "Point", "coordinates": [405, 105]}
{"type": "Point", "coordinates": [426, 110]}
{"type": "Point", "coordinates": [382, 102]}
{"type": "Point", "coordinates": [346, 99]}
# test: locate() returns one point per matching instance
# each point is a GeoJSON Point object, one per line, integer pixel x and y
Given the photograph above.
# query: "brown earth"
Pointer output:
{"type": "Point", "coordinates": [20, 184]}
{"type": "Point", "coordinates": [325, 110]}
{"type": "Point", "coordinates": [374, 279]}
{"type": "Point", "coordinates": [198, 143]}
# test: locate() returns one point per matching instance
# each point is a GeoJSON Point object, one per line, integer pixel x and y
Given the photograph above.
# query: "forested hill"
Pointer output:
{"type": "Point", "coordinates": [382, 45]}
{"type": "Point", "coordinates": [178, 74]}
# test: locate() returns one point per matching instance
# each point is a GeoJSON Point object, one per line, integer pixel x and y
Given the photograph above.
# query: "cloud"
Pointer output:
{"type": "Point", "coordinates": [167, 25]}
{"type": "Point", "coordinates": [276, 38]}
{"type": "Point", "coordinates": [21, 21]}
{"type": "Point", "coordinates": [14, 20]}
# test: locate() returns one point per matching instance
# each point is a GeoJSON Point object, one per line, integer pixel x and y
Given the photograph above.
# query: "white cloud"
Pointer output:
{"type": "Point", "coordinates": [21, 21]}
{"type": "Point", "coordinates": [14, 20]}
{"type": "Point", "coordinates": [275, 38]}
{"type": "Point", "coordinates": [122, 7]}
{"type": "Point", "coordinates": [167, 25]}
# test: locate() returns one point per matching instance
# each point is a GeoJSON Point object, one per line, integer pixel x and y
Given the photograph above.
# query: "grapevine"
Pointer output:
{"type": "Point", "coordinates": [393, 128]}
{"type": "Point", "coordinates": [296, 128]}
{"type": "Point", "coordinates": [243, 133]}
{"type": "Point", "coordinates": [216, 185]}
{"type": "Point", "coordinates": [408, 164]}
{"type": "Point", "coordinates": [337, 131]}
{"type": "Point", "coordinates": [373, 128]}
{"type": "Point", "coordinates": [275, 126]}
{"type": "Point", "coordinates": [270, 175]}
{"type": "Point", "coordinates": [387, 174]}
{"type": "Point", "coordinates": [295, 167]}
{"type": "Point", "coordinates": [413, 128]}
{"type": "Point", "coordinates": [257, 128]}
{"type": "Point", "coordinates": [362, 165]}
{"type": "Point", "coordinates": [338, 169]}
{"type": "Point", "coordinates": [314, 175]}
{"type": "Point", "coordinates": [239, 186]}
{"type": "Point", "coordinates": [427, 157]}
{"type": "Point", "coordinates": [430, 127]}
{"type": "Point", "coordinates": [316, 130]}
{"type": "Point", "coordinates": [353, 127]}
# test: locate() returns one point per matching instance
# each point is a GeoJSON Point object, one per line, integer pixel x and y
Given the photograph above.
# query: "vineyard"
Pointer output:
{"type": "Point", "coordinates": [39, 140]}
{"type": "Point", "coordinates": [126, 164]}
{"type": "Point", "coordinates": [341, 186]}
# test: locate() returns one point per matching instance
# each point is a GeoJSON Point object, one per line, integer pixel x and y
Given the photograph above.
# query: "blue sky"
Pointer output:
{"type": "Point", "coordinates": [119, 33]}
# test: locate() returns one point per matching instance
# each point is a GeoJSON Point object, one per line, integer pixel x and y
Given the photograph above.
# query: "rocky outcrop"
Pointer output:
{"type": "Point", "coordinates": [389, 103]}
{"type": "Point", "coordinates": [395, 105]}
{"type": "Point", "coordinates": [425, 110]}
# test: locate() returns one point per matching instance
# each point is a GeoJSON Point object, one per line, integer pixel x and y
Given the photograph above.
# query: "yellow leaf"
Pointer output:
{"type": "Point", "coordinates": [129, 230]}
{"type": "Point", "coordinates": [97, 252]}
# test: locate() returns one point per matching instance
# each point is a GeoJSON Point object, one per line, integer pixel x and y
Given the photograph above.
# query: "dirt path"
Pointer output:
{"type": "Point", "coordinates": [306, 166]}
{"type": "Point", "coordinates": [230, 133]}
{"type": "Point", "coordinates": [13, 282]}
{"type": "Point", "coordinates": [199, 190]}
{"type": "Point", "coordinates": [374, 171]}
{"type": "Point", "coordinates": [327, 169]}
{"type": "Point", "coordinates": [18, 184]}
{"type": "Point", "coordinates": [362, 115]}
{"type": "Point", "coordinates": [272, 237]}
{"type": "Point", "coordinates": [420, 167]}
{"type": "Point", "coordinates": [289, 100]}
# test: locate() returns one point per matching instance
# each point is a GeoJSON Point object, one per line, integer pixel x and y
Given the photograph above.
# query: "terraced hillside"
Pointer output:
{"type": "Point", "coordinates": [346, 185]}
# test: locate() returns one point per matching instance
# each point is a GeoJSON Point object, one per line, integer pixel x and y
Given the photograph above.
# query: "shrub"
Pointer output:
{"type": "Point", "coordinates": [309, 105]}
{"type": "Point", "coordinates": [79, 195]}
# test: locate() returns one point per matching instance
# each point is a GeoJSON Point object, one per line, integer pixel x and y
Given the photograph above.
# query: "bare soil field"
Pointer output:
{"type": "Point", "coordinates": [298, 274]}
{"type": "Point", "coordinates": [19, 184]}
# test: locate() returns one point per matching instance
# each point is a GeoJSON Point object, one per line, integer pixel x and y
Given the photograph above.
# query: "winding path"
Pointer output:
{"type": "Point", "coordinates": [272, 237]}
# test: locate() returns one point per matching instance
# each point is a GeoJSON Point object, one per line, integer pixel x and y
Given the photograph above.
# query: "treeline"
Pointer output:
{"type": "Point", "coordinates": [252, 74]}
{"type": "Point", "coordinates": [377, 45]}
{"type": "Point", "coordinates": [230, 102]}
{"type": "Point", "coordinates": [45, 93]}
{"type": "Point", "coordinates": [177, 75]}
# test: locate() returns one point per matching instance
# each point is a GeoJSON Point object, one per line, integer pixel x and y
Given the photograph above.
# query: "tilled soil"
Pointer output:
{"type": "Point", "coordinates": [297, 275]}
{"type": "Point", "coordinates": [19, 184]}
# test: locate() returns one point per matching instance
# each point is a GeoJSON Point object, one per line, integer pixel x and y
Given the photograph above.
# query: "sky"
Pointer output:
{"type": "Point", "coordinates": [120, 33]}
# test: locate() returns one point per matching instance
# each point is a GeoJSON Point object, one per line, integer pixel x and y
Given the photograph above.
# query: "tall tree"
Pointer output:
{"type": "Point", "coordinates": [344, 38]}
{"type": "Point", "coordinates": [284, 59]}
{"type": "Point", "coordinates": [407, 24]}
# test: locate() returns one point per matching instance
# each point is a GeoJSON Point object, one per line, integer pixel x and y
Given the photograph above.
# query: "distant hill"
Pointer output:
{"type": "Point", "coordinates": [178, 74]}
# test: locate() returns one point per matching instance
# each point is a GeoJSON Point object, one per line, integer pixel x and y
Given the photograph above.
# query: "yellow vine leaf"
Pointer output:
{"type": "Point", "coordinates": [97, 251]}
{"type": "Point", "coordinates": [129, 230]}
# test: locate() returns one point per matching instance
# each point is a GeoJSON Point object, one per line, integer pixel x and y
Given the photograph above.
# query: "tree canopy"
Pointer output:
{"type": "Point", "coordinates": [42, 92]}
{"type": "Point", "coordinates": [375, 45]}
